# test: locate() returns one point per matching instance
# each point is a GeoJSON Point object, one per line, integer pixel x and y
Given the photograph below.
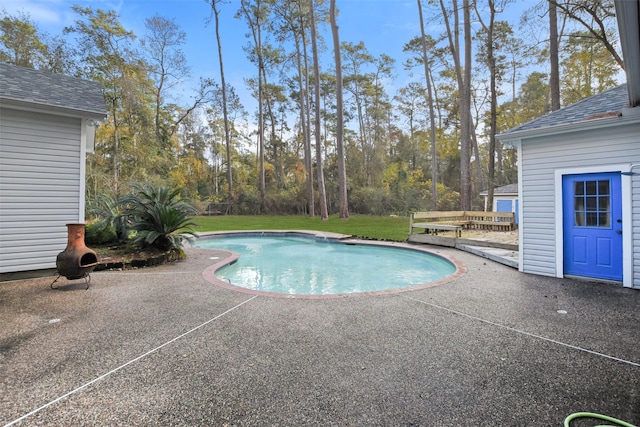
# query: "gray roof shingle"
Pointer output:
{"type": "Point", "coordinates": [47, 89]}
{"type": "Point", "coordinates": [505, 189]}
{"type": "Point", "coordinates": [610, 101]}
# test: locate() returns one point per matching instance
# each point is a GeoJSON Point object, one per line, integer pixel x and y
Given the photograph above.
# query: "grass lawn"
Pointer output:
{"type": "Point", "coordinates": [365, 226]}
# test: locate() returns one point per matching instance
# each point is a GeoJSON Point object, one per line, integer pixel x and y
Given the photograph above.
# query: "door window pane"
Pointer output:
{"type": "Point", "coordinates": [604, 220]}
{"type": "Point", "coordinates": [603, 188]}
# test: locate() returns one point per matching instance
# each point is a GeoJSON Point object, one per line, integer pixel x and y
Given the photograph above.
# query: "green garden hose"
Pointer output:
{"type": "Point", "coordinates": [616, 421]}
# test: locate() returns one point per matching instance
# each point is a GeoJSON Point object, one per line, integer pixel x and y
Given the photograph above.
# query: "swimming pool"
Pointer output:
{"type": "Point", "coordinates": [301, 264]}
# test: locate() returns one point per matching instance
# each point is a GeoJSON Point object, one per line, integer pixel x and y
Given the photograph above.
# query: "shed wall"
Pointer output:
{"type": "Point", "coordinates": [541, 157]}
{"type": "Point", "coordinates": [40, 182]}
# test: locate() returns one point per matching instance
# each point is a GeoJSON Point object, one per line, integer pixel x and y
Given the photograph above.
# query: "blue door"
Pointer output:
{"type": "Point", "coordinates": [592, 225]}
{"type": "Point", "coordinates": [506, 205]}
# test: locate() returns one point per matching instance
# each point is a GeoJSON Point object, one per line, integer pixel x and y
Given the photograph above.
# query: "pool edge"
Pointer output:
{"type": "Point", "coordinates": [209, 273]}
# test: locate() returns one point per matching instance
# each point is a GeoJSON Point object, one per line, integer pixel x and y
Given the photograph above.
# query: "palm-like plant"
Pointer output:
{"type": "Point", "coordinates": [109, 212]}
{"type": "Point", "coordinates": [159, 217]}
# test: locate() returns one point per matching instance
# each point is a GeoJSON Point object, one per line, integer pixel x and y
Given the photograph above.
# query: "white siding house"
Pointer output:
{"type": "Point", "coordinates": [579, 192]}
{"type": "Point", "coordinates": [45, 130]}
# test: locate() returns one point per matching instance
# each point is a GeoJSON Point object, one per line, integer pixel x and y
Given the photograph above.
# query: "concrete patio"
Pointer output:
{"type": "Point", "coordinates": [163, 346]}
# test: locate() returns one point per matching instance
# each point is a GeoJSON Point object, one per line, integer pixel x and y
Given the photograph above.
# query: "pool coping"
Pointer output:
{"type": "Point", "coordinates": [209, 272]}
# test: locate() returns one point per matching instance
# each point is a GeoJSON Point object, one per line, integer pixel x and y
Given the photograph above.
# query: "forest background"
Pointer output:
{"type": "Point", "coordinates": [325, 116]}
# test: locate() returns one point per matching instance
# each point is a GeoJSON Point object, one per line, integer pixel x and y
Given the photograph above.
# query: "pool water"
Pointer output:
{"type": "Point", "coordinates": [310, 266]}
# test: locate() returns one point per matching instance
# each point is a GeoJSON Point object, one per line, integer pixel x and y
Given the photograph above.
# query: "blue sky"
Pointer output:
{"type": "Point", "coordinates": [384, 26]}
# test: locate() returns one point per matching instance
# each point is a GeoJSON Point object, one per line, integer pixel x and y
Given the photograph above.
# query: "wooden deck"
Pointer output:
{"type": "Point", "coordinates": [433, 228]}
{"type": "Point", "coordinates": [457, 221]}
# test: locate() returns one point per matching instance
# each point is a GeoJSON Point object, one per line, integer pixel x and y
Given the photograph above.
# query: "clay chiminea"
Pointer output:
{"type": "Point", "coordinates": [77, 260]}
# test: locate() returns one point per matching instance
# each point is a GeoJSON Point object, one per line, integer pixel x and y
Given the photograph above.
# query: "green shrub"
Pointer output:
{"type": "Point", "coordinates": [109, 214]}
{"type": "Point", "coordinates": [370, 201]}
{"type": "Point", "coordinates": [247, 202]}
{"type": "Point", "coordinates": [285, 202]}
{"type": "Point", "coordinates": [158, 217]}
{"type": "Point", "coordinates": [97, 234]}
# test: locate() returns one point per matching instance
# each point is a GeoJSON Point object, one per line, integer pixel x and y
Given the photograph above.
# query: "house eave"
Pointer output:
{"type": "Point", "coordinates": [18, 104]}
{"type": "Point", "coordinates": [626, 116]}
{"type": "Point", "coordinates": [485, 193]}
{"type": "Point", "coordinates": [627, 13]}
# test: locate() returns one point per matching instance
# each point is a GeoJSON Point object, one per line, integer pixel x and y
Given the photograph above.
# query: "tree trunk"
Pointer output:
{"type": "Point", "coordinates": [554, 73]}
{"type": "Point", "coordinates": [464, 94]}
{"type": "Point", "coordinates": [159, 135]}
{"type": "Point", "coordinates": [465, 154]}
{"type": "Point", "coordinates": [342, 172]}
{"type": "Point", "coordinates": [257, 40]}
{"type": "Point", "coordinates": [225, 113]}
{"type": "Point", "coordinates": [491, 64]}
{"type": "Point", "coordinates": [432, 119]}
{"type": "Point", "coordinates": [306, 117]}
{"type": "Point", "coordinates": [324, 215]}
{"type": "Point", "coordinates": [116, 188]}
{"type": "Point", "coordinates": [305, 135]}
{"type": "Point", "coordinates": [465, 115]}
{"type": "Point", "coordinates": [262, 182]}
